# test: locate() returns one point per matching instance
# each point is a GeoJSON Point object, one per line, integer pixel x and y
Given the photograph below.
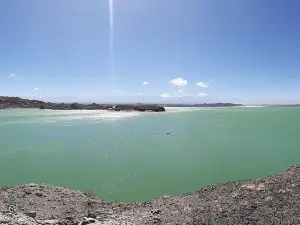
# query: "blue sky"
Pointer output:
{"type": "Point", "coordinates": [244, 51]}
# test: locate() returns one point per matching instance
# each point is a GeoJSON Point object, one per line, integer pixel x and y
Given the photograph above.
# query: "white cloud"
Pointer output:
{"type": "Point", "coordinates": [36, 89]}
{"type": "Point", "coordinates": [202, 84]}
{"type": "Point", "coordinates": [145, 83]}
{"type": "Point", "coordinates": [141, 94]}
{"type": "Point", "coordinates": [179, 81]}
{"type": "Point", "coordinates": [12, 75]}
{"type": "Point", "coordinates": [180, 91]}
{"type": "Point", "coordinates": [202, 94]}
{"type": "Point", "coordinates": [166, 95]}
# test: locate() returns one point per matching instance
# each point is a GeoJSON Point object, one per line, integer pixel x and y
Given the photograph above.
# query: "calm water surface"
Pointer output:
{"type": "Point", "coordinates": [127, 157]}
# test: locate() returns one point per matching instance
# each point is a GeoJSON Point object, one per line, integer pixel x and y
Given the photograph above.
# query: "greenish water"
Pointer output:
{"type": "Point", "coordinates": [124, 156]}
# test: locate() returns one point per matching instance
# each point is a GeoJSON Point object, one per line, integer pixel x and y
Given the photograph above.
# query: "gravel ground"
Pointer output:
{"type": "Point", "coordinates": [269, 200]}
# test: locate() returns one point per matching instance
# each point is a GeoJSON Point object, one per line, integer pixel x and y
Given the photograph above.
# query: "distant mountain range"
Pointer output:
{"type": "Point", "coordinates": [219, 104]}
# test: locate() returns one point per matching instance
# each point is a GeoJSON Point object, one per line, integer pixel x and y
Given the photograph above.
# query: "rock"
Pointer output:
{"type": "Point", "coordinates": [88, 221]}
{"type": "Point", "coordinates": [269, 198]}
{"type": "Point", "coordinates": [4, 219]}
{"type": "Point", "coordinates": [69, 218]}
{"type": "Point", "coordinates": [92, 215]}
{"type": "Point", "coordinates": [16, 219]}
{"type": "Point", "coordinates": [156, 220]}
{"type": "Point", "coordinates": [49, 222]}
{"type": "Point", "coordinates": [39, 194]}
{"type": "Point", "coordinates": [154, 212]}
{"type": "Point", "coordinates": [282, 191]}
{"type": "Point", "coordinates": [261, 186]}
{"type": "Point", "coordinates": [24, 220]}
{"type": "Point", "coordinates": [31, 214]}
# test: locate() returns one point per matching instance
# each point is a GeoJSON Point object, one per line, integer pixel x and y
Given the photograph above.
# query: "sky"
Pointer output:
{"type": "Point", "coordinates": [177, 51]}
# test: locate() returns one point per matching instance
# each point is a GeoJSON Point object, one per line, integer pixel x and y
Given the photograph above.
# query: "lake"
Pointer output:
{"type": "Point", "coordinates": [127, 156]}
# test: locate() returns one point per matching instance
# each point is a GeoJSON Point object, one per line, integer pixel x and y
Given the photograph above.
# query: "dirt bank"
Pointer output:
{"type": "Point", "coordinates": [270, 200]}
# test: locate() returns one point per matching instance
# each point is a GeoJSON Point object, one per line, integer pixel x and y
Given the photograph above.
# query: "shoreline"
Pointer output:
{"type": "Point", "coordinates": [273, 199]}
{"type": "Point", "coordinates": [16, 102]}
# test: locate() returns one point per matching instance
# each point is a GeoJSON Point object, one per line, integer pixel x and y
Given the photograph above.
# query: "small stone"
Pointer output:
{"type": "Point", "coordinates": [269, 198]}
{"type": "Point", "coordinates": [156, 211]}
{"type": "Point", "coordinates": [4, 219]}
{"type": "Point", "coordinates": [31, 214]}
{"type": "Point", "coordinates": [69, 218]}
{"type": "Point", "coordinates": [282, 191]}
{"type": "Point", "coordinates": [261, 187]}
{"type": "Point", "coordinates": [39, 194]}
{"type": "Point", "coordinates": [92, 215]}
{"type": "Point", "coordinates": [156, 220]}
{"type": "Point", "coordinates": [88, 221]}
{"type": "Point", "coordinates": [249, 186]}
{"type": "Point", "coordinates": [50, 222]}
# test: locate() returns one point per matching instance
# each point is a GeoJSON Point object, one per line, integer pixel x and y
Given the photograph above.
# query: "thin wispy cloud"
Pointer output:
{"type": "Point", "coordinates": [166, 95]}
{"type": "Point", "coordinates": [145, 83]}
{"type": "Point", "coordinates": [36, 89]}
{"type": "Point", "coordinates": [202, 84]}
{"type": "Point", "coordinates": [179, 82]}
{"type": "Point", "coordinates": [141, 94]}
{"type": "Point", "coordinates": [202, 94]}
{"type": "Point", "coordinates": [12, 75]}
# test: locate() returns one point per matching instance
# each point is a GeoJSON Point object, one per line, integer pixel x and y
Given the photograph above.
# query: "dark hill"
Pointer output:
{"type": "Point", "coordinates": [16, 102]}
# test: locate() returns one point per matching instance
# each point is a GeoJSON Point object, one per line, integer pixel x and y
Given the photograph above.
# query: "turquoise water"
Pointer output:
{"type": "Point", "coordinates": [126, 157]}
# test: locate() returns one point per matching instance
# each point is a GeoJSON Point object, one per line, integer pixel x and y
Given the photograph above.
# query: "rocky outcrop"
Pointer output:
{"type": "Point", "coordinates": [15, 102]}
{"type": "Point", "coordinates": [270, 200]}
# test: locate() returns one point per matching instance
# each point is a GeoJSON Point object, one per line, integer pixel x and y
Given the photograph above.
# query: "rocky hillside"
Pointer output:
{"type": "Point", "coordinates": [270, 200]}
{"type": "Point", "coordinates": [16, 102]}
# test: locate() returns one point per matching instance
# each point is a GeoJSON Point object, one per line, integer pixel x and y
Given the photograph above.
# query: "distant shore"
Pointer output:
{"type": "Point", "coordinates": [16, 102]}
{"type": "Point", "coordinates": [270, 200]}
